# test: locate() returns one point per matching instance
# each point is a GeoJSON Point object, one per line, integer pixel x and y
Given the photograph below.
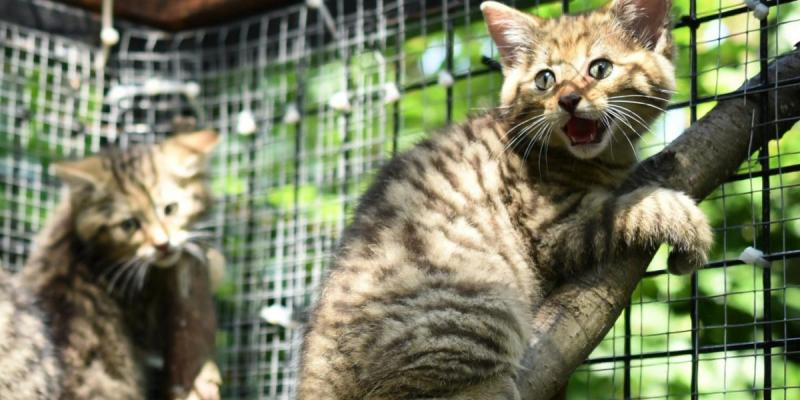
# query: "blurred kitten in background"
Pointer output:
{"type": "Point", "coordinates": [89, 313]}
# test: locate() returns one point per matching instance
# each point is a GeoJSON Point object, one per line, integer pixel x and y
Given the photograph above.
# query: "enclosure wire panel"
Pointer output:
{"type": "Point", "coordinates": [287, 187]}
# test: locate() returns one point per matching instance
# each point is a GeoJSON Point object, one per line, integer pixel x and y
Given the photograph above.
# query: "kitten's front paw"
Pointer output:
{"type": "Point", "coordinates": [654, 215]}
{"type": "Point", "coordinates": [691, 238]}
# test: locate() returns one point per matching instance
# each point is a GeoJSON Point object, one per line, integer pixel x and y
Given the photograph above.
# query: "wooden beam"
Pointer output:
{"type": "Point", "coordinates": [174, 15]}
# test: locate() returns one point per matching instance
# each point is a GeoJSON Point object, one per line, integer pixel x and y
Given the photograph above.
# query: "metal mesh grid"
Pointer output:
{"type": "Point", "coordinates": [286, 191]}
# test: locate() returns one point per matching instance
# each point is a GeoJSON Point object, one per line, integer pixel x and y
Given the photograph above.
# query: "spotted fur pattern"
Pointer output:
{"type": "Point", "coordinates": [459, 239]}
{"type": "Point", "coordinates": [89, 269]}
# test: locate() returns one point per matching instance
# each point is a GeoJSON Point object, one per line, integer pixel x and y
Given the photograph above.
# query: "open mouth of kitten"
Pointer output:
{"type": "Point", "coordinates": [168, 259]}
{"type": "Point", "coordinates": [581, 131]}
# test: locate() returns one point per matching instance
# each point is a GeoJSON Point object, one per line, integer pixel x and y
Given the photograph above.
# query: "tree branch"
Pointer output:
{"type": "Point", "coordinates": [577, 315]}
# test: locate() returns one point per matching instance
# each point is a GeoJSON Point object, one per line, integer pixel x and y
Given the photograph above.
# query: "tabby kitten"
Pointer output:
{"type": "Point", "coordinates": [460, 238]}
{"type": "Point", "coordinates": [125, 212]}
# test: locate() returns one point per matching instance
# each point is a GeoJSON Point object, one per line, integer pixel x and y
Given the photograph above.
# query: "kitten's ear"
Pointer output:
{"type": "Point", "coordinates": [647, 20]}
{"type": "Point", "coordinates": [187, 153]}
{"type": "Point", "coordinates": [513, 31]}
{"type": "Point", "coordinates": [87, 171]}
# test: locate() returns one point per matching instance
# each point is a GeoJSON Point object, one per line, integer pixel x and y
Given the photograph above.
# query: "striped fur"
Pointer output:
{"type": "Point", "coordinates": [29, 369]}
{"type": "Point", "coordinates": [88, 271]}
{"type": "Point", "coordinates": [460, 238]}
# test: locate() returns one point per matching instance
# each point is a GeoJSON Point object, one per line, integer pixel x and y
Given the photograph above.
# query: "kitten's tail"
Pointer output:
{"type": "Point", "coordinates": [445, 338]}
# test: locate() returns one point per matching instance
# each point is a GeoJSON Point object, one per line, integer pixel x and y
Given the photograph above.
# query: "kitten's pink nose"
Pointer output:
{"type": "Point", "coordinates": [569, 102]}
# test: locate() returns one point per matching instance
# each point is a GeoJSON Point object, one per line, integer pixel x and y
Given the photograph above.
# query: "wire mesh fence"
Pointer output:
{"type": "Point", "coordinates": [286, 186]}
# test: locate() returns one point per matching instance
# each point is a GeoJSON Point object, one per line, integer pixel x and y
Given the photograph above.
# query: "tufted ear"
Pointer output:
{"type": "Point", "coordinates": [86, 171]}
{"type": "Point", "coordinates": [647, 20]}
{"type": "Point", "coordinates": [512, 31]}
{"type": "Point", "coordinates": [187, 153]}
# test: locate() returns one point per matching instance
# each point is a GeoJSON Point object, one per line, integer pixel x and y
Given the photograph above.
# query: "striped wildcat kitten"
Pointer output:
{"type": "Point", "coordinates": [460, 238]}
{"type": "Point", "coordinates": [126, 213]}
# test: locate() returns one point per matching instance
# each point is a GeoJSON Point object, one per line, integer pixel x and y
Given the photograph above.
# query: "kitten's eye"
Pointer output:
{"type": "Point", "coordinates": [545, 79]}
{"type": "Point", "coordinates": [130, 225]}
{"type": "Point", "coordinates": [600, 69]}
{"type": "Point", "coordinates": [170, 208]}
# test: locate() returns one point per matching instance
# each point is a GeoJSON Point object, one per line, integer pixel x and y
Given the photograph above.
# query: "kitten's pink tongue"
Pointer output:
{"type": "Point", "coordinates": [581, 131]}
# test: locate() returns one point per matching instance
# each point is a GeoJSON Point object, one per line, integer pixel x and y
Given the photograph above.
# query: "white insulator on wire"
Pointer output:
{"type": "Point", "coordinates": [340, 101]}
{"type": "Point", "coordinates": [245, 123]}
{"type": "Point", "coordinates": [446, 79]}
{"type": "Point", "coordinates": [191, 89]}
{"type": "Point", "coordinates": [154, 86]}
{"type": "Point", "coordinates": [292, 114]}
{"type": "Point", "coordinates": [760, 10]}
{"type": "Point", "coordinates": [119, 92]}
{"type": "Point", "coordinates": [109, 36]}
{"type": "Point", "coordinates": [391, 94]}
{"type": "Point", "coordinates": [279, 315]}
{"type": "Point", "coordinates": [754, 256]}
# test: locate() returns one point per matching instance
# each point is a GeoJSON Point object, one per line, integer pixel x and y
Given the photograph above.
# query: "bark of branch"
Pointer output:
{"type": "Point", "coordinates": [577, 315]}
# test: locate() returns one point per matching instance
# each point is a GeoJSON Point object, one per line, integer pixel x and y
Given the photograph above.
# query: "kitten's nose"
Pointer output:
{"type": "Point", "coordinates": [569, 102]}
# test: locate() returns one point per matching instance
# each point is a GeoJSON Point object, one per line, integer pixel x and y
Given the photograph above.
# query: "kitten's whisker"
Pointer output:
{"type": "Point", "coordinates": [194, 250]}
{"type": "Point", "coordinates": [639, 95]}
{"type": "Point", "coordinates": [637, 102]}
{"type": "Point", "coordinates": [624, 119]}
{"type": "Point", "coordinates": [535, 118]}
{"type": "Point", "coordinates": [606, 120]}
{"type": "Point", "coordinates": [633, 115]}
{"type": "Point", "coordinates": [521, 135]}
{"type": "Point", "coordinates": [538, 126]}
{"type": "Point", "coordinates": [145, 270]}
{"type": "Point", "coordinates": [129, 286]}
{"type": "Point", "coordinates": [200, 234]}
{"type": "Point", "coordinates": [539, 135]}
{"type": "Point", "coordinates": [666, 90]}
{"type": "Point", "coordinates": [544, 145]}
{"type": "Point", "coordinates": [118, 273]}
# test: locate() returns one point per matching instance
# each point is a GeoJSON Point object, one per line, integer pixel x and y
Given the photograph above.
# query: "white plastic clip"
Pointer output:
{"type": "Point", "coordinates": [246, 123]}
{"type": "Point", "coordinates": [391, 94]}
{"type": "Point", "coordinates": [292, 114]}
{"type": "Point", "coordinates": [760, 10]}
{"type": "Point", "coordinates": [340, 101]}
{"type": "Point", "coordinates": [191, 89]}
{"type": "Point", "coordinates": [446, 79]}
{"type": "Point", "coordinates": [277, 314]}
{"type": "Point", "coordinates": [754, 256]}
